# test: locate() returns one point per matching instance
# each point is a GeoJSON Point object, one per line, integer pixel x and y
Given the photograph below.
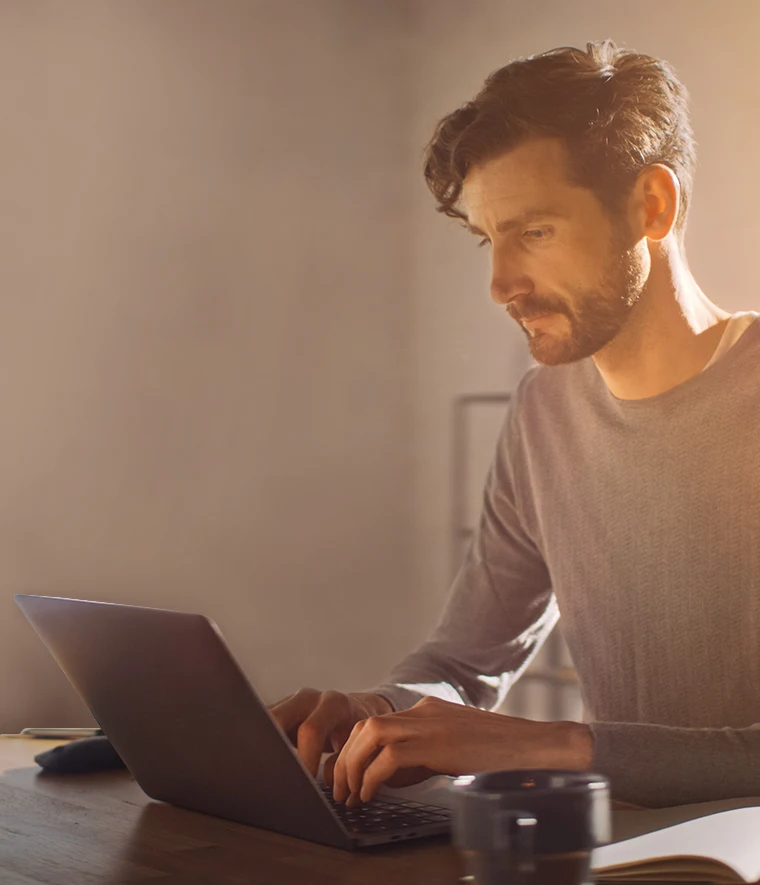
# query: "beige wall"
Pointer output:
{"type": "Point", "coordinates": [204, 330]}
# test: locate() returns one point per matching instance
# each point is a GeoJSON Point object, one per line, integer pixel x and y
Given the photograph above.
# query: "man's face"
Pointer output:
{"type": "Point", "coordinates": [566, 272]}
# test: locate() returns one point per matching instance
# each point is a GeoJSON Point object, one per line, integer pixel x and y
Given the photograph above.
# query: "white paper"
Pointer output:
{"type": "Point", "coordinates": [731, 837]}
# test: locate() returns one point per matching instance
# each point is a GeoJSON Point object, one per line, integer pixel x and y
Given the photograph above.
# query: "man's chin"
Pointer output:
{"type": "Point", "coordinates": [549, 352]}
{"type": "Point", "coordinates": [553, 350]}
{"type": "Point", "coordinates": [550, 340]}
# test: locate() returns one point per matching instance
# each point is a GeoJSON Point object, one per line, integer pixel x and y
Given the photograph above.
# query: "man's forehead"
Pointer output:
{"type": "Point", "coordinates": [530, 180]}
{"type": "Point", "coordinates": [512, 203]}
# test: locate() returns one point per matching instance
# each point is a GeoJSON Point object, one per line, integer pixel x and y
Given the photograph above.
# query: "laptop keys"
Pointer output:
{"type": "Point", "coordinates": [380, 815]}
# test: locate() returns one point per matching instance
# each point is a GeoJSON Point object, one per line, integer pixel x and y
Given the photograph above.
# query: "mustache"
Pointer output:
{"type": "Point", "coordinates": [536, 307]}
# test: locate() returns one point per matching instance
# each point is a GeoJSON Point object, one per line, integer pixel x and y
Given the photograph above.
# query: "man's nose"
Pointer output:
{"type": "Point", "coordinates": [503, 292]}
{"type": "Point", "coordinates": [508, 281]}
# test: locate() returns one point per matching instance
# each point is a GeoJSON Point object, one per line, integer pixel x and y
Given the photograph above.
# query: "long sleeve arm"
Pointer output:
{"type": "Point", "coordinates": [657, 765]}
{"type": "Point", "coordinates": [500, 610]}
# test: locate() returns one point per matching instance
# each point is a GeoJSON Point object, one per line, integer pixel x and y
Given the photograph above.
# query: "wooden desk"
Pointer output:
{"type": "Point", "coordinates": [93, 829]}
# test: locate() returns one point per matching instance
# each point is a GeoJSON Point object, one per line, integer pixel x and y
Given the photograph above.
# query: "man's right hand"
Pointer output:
{"type": "Point", "coordinates": [321, 721]}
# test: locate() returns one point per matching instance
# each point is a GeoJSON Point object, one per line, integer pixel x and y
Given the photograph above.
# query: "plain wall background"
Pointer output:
{"type": "Point", "coordinates": [232, 325]}
{"type": "Point", "coordinates": [204, 330]}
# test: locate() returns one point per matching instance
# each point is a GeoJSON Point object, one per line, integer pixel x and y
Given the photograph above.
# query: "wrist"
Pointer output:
{"type": "Point", "coordinates": [374, 704]}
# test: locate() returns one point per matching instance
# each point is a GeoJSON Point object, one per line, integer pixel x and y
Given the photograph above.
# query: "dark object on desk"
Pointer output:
{"type": "Point", "coordinates": [530, 825]}
{"type": "Point", "coordinates": [81, 756]}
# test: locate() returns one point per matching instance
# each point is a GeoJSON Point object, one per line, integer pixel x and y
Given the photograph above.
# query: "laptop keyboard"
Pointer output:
{"type": "Point", "coordinates": [380, 816]}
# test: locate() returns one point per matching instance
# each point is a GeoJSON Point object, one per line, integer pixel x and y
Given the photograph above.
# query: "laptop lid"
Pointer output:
{"type": "Point", "coordinates": [174, 703]}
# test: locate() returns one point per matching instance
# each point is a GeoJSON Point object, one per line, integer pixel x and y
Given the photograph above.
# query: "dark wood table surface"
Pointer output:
{"type": "Point", "coordinates": [92, 829]}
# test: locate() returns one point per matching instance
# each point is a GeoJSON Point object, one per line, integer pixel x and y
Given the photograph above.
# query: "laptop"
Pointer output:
{"type": "Point", "coordinates": [166, 690]}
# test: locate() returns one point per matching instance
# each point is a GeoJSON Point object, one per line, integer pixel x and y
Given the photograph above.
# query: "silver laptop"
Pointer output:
{"type": "Point", "coordinates": [167, 692]}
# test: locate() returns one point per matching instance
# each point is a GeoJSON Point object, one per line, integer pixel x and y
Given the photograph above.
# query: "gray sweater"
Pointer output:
{"type": "Point", "coordinates": [639, 522]}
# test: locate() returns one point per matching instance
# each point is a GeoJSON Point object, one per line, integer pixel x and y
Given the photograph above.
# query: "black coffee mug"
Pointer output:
{"type": "Point", "coordinates": [530, 825]}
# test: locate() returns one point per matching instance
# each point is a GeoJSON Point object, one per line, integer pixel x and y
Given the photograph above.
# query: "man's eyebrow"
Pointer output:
{"type": "Point", "coordinates": [525, 218]}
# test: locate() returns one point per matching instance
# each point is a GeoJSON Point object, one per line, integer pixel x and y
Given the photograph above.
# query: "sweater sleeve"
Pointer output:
{"type": "Point", "coordinates": [499, 611]}
{"type": "Point", "coordinates": [658, 765]}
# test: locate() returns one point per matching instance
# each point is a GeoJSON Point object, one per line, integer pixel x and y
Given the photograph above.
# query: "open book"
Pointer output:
{"type": "Point", "coordinates": [722, 847]}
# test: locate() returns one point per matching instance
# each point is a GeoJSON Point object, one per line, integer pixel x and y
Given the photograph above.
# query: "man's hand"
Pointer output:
{"type": "Point", "coordinates": [437, 737]}
{"type": "Point", "coordinates": [320, 721]}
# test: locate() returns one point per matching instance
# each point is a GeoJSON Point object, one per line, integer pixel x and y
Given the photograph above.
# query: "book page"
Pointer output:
{"type": "Point", "coordinates": [635, 822]}
{"type": "Point", "coordinates": [730, 837]}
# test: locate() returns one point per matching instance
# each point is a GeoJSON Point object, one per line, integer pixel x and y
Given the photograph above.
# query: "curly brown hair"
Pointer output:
{"type": "Point", "coordinates": [617, 110]}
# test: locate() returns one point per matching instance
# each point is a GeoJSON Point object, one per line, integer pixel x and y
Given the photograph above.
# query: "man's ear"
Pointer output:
{"type": "Point", "coordinates": [655, 200]}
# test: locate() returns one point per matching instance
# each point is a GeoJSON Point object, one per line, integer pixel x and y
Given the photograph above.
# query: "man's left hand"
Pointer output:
{"type": "Point", "coordinates": [438, 737]}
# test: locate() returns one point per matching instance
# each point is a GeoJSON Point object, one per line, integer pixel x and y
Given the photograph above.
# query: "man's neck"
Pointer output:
{"type": "Point", "coordinates": [670, 336]}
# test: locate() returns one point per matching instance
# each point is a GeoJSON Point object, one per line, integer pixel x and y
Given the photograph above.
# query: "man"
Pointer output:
{"type": "Point", "coordinates": [625, 490]}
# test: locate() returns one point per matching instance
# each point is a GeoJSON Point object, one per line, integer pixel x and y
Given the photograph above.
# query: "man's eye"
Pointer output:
{"type": "Point", "coordinates": [538, 233]}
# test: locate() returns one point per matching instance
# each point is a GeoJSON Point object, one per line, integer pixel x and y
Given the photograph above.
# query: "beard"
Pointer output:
{"type": "Point", "coordinates": [596, 315]}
